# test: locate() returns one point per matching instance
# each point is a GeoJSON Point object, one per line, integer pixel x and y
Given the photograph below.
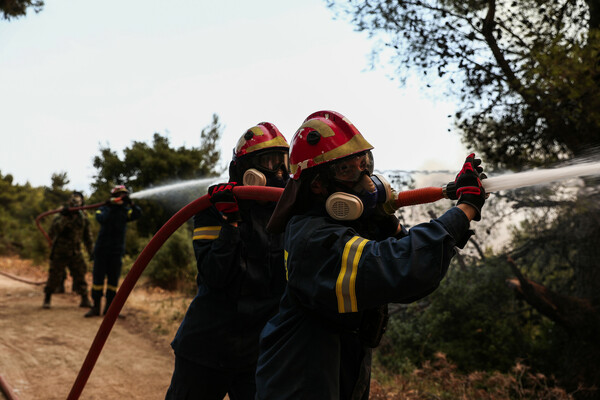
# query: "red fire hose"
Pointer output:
{"type": "Point", "coordinates": [420, 196]}
{"type": "Point", "coordinates": [7, 390]}
{"type": "Point", "coordinates": [261, 193]}
{"type": "Point", "coordinates": [183, 215]}
{"type": "Point", "coordinates": [42, 215]}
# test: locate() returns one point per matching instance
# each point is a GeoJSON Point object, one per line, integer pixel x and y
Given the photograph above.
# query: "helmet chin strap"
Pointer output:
{"type": "Point", "coordinates": [369, 191]}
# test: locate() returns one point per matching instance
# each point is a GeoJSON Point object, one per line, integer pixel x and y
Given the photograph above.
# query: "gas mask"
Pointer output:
{"type": "Point", "coordinates": [266, 169]}
{"type": "Point", "coordinates": [369, 191]}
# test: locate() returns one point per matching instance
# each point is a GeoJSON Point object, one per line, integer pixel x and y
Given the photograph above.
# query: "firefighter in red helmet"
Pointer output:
{"type": "Point", "coordinates": [240, 278]}
{"type": "Point", "coordinates": [260, 157]}
{"type": "Point", "coordinates": [343, 271]}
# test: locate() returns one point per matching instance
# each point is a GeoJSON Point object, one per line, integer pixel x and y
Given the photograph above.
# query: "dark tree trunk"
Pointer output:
{"type": "Point", "coordinates": [581, 320]}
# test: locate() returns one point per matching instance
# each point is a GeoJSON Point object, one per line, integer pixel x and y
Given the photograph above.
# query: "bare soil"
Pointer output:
{"type": "Point", "coordinates": [42, 350]}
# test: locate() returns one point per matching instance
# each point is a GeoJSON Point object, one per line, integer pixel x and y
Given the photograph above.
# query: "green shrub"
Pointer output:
{"type": "Point", "coordinates": [473, 318]}
{"type": "Point", "coordinates": [174, 265]}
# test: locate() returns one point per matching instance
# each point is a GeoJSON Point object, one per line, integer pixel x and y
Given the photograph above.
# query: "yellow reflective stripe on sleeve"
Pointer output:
{"type": "Point", "coordinates": [111, 287]}
{"type": "Point", "coordinates": [129, 212]}
{"type": "Point", "coordinates": [285, 257]}
{"type": "Point", "coordinates": [98, 287]}
{"type": "Point", "coordinates": [345, 286]}
{"type": "Point", "coordinates": [206, 232]}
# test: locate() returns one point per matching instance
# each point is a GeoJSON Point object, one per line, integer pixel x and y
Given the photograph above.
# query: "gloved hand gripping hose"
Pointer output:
{"type": "Point", "coordinates": [260, 193]}
{"type": "Point", "coordinates": [42, 215]}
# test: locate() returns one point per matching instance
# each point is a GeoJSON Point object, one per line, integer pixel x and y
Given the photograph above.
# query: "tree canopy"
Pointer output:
{"type": "Point", "coordinates": [144, 166]}
{"type": "Point", "coordinates": [18, 8]}
{"type": "Point", "coordinates": [527, 72]}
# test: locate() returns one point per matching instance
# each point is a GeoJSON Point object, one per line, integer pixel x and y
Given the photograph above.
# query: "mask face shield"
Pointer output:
{"type": "Point", "coordinates": [351, 169]}
{"type": "Point", "coordinates": [356, 189]}
{"type": "Point", "coordinates": [270, 168]}
{"type": "Point", "coordinates": [272, 161]}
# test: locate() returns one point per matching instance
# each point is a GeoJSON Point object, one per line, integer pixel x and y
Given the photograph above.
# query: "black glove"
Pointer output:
{"type": "Point", "coordinates": [65, 211]}
{"type": "Point", "coordinates": [222, 197]}
{"type": "Point", "coordinates": [468, 185]}
{"type": "Point", "coordinates": [126, 199]}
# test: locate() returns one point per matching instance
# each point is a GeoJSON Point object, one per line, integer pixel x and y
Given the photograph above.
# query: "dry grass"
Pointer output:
{"type": "Point", "coordinates": [160, 310]}
{"type": "Point", "coordinates": [26, 269]}
{"type": "Point", "coordinates": [439, 380]}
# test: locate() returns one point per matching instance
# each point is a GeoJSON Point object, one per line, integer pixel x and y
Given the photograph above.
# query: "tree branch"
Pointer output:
{"type": "Point", "coordinates": [576, 315]}
{"type": "Point", "coordinates": [488, 33]}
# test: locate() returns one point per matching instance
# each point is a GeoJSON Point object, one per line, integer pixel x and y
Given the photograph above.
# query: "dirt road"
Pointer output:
{"type": "Point", "coordinates": [41, 351]}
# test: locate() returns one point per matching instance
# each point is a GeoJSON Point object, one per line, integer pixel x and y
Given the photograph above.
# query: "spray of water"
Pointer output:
{"type": "Point", "coordinates": [181, 193]}
{"type": "Point", "coordinates": [196, 187]}
{"type": "Point", "coordinates": [538, 177]}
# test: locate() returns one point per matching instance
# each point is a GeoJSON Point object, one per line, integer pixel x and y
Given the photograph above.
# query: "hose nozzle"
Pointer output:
{"type": "Point", "coordinates": [449, 191]}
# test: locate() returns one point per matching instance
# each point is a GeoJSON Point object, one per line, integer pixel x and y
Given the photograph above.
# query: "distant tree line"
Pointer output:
{"type": "Point", "coordinates": [142, 166]}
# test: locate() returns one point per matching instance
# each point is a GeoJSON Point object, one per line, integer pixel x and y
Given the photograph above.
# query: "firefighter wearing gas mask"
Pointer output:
{"type": "Point", "coordinates": [240, 279]}
{"type": "Point", "coordinates": [346, 259]}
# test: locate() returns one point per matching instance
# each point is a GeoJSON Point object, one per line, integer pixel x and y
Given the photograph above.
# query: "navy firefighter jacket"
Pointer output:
{"type": "Point", "coordinates": [240, 279]}
{"type": "Point", "coordinates": [334, 274]}
{"type": "Point", "coordinates": [113, 219]}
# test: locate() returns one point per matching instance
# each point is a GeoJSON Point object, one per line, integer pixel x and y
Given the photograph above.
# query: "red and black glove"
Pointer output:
{"type": "Point", "coordinates": [222, 197]}
{"type": "Point", "coordinates": [468, 185]}
{"type": "Point", "coordinates": [115, 200]}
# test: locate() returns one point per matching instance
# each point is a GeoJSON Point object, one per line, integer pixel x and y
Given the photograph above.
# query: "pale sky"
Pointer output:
{"type": "Point", "coordinates": [81, 74]}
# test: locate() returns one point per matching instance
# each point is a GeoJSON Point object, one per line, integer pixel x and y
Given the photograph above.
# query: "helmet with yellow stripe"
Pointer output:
{"type": "Point", "coordinates": [260, 157]}
{"type": "Point", "coordinates": [330, 161]}
{"type": "Point", "coordinates": [261, 137]}
{"type": "Point", "coordinates": [324, 136]}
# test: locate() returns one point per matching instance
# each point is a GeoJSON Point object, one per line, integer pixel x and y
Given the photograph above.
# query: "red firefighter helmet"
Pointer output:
{"type": "Point", "coordinates": [323, 137]}
{"type": "Point", "coordinates": [263, 136]}
{"type": "Point", "coordinates": [119, 190]}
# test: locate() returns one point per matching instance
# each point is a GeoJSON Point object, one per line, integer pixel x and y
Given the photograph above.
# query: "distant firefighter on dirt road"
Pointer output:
{"type": "Point", "coordinates": [110, 246]}
{"type": "Point", "coordinates": [68, 230]}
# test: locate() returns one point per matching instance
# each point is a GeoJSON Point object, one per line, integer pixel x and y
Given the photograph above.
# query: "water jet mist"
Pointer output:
{"type": "Point", "coordinates": [538, 177]}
